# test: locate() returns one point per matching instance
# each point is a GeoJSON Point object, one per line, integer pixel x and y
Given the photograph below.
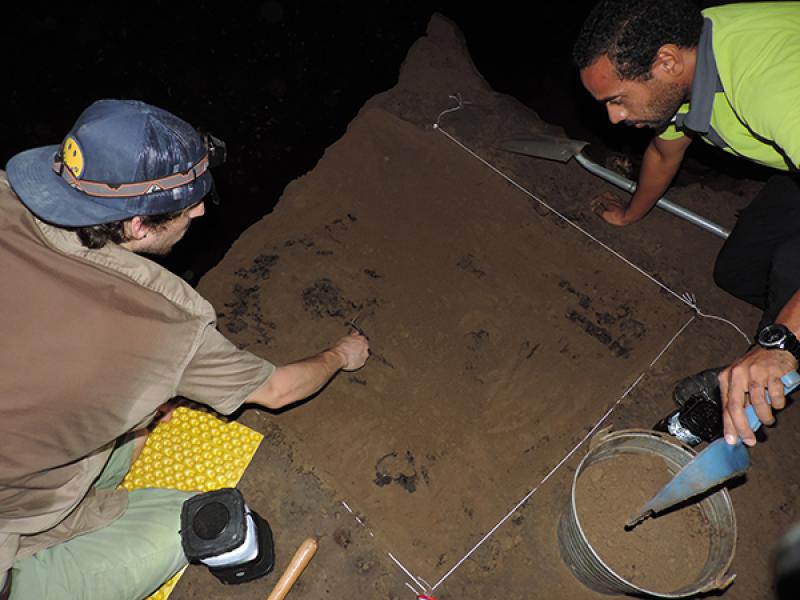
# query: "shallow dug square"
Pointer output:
{"type": "Point", "coordinates": [499, 335]}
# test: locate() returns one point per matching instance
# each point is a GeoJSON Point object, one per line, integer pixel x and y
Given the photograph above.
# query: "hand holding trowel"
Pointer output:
{"type": "Point", "coordinates": [716, 464]}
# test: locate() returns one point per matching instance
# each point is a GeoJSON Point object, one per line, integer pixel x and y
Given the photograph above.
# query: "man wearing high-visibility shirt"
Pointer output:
{"type": "Point", "coordinates": [730, 76]}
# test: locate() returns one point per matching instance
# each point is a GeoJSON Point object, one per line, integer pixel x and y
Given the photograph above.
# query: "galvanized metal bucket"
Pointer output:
{"type": "Point", "coordinates": [584, 561]}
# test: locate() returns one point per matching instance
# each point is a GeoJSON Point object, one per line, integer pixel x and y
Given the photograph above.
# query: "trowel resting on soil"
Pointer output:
{"type": "Point", "coordinates": [562, 149]}
{"type": "Point", "coordinates": [716, 464]}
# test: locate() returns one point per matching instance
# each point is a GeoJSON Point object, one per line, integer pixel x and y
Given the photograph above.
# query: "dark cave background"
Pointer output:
{"type": "Point", "coordinates": [280, 81]}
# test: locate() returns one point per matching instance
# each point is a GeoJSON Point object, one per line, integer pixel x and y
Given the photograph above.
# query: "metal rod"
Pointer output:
{"type": "Point", "coordinates": [629, 186]}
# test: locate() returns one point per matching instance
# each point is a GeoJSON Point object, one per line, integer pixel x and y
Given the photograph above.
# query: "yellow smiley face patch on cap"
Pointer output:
{"type": "Point", "coordinates": [73, 156]}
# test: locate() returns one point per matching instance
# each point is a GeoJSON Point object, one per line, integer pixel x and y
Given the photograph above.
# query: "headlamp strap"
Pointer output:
{"type": "Point", "coordinates": [125, 190]}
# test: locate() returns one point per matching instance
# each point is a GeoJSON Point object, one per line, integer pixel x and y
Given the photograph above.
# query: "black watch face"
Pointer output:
{"type": "Point", "coordinates": [771, 336]}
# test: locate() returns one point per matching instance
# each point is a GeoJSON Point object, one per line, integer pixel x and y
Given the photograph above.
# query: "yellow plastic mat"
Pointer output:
{"type": "Point", "coordinates": [193, 451]}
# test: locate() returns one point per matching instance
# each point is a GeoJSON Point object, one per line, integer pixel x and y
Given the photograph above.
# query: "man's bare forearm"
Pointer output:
{"type": "Point", "coordinates": [660, 164]}
{"type": "Point", "coordinates": [298, 380]}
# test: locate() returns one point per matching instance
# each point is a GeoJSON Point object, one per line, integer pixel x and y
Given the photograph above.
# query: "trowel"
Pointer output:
{"type": "Point", "coordinates": [715, 465]}
{"type": "Point", "coordinates": [562, 149]}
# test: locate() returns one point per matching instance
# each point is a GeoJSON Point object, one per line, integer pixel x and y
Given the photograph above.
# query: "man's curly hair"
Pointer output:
{"type": "Point", "coordinates": [95, 237]}
{"type": "Point", "coordinates": [632, 31]}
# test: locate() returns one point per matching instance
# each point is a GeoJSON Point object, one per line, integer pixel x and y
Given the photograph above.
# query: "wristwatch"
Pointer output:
{"type": "Point", "coordinates": [778, 337]}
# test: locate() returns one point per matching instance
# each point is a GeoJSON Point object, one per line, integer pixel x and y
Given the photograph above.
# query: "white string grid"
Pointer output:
{"type": "Point", "coordinates": [567, 456]}
{"type": "Point", "coordinates": [420, 586]}
{"type": "Point", "coordinates": [687, 298]}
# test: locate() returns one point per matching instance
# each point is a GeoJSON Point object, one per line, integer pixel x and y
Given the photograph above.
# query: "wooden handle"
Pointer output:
{"type": "Point", "coordinates": [297, 565]}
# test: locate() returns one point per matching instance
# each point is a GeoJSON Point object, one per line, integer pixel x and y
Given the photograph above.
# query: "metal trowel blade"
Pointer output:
{"type": "Point", "coordinates": [541, 145]}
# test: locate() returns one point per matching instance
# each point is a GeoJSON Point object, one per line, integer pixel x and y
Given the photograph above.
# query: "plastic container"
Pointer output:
{"type": "Point", "coordinates": [587, 565]}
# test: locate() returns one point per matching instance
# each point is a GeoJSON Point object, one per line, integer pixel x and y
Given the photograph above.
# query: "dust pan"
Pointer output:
{"type": "Point", "coordinates": [715, 465]}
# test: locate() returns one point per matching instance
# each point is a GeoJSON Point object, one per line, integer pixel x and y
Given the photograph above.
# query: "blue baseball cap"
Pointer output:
{"type": "Point", "coordinates": [122, 158]}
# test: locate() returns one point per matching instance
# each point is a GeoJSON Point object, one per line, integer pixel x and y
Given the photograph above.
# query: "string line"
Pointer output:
{"type": "Point", "coordinates": [408, 573]}
{"type": "Point", "coordinates": [566, 457]}
{"type": "Point", "coordinates": [687, 299]}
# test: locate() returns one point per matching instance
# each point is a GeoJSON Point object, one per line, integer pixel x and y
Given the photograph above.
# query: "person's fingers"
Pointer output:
{"type": "Point", "coordinates": [354, 347]}
{"type": "Point", "coordinates": [759, 403]}
{"type": "Point", "coordinates": [603, 201]}
{"type": "Point", "coordinates": [736, 392]}
{"type": "Point", "coordinates": [754, 379]}
{"type": "Point", "coordinates": [351, 338]}
{"type": "Point", "coordinates": [777, 396]}
{"type": "Point", "coordinates": [356, 361]}
{"type": "Point", "coordinates": [598, 207]}
{"type": "Point", "coordinates": [729, 430]}
{"type": "Point", "coordinates": [361, 344]}
{"type": "Point", "coordinates": [724, 381]}
{"type": "Point", "coordinates": [737, 400]}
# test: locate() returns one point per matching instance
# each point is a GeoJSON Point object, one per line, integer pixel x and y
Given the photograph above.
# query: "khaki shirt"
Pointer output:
{"type": "Point", "coordinates": [93, 342]}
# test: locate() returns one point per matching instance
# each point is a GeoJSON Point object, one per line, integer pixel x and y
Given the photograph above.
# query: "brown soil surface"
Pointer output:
{"type": "Point", "coordinates": [477, 335]}
{"type": "Point", "coordinates": [662, 554]}
{"type": "Point", "coordinates": [501, 335]}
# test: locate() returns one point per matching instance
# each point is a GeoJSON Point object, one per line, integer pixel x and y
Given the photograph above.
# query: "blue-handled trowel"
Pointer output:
{"type": "Point", "coordinates": [716, 464]}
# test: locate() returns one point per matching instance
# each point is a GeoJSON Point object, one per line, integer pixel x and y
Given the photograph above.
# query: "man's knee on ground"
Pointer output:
{"type": "Point", "coordinates": [129, 558]}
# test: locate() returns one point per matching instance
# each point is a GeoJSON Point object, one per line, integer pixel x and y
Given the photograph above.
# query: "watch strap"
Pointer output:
{"type": "Point", "coordinates": [792, 345]}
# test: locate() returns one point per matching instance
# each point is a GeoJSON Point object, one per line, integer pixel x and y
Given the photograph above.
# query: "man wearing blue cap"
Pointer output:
{"type": "Point", "coordinates": [96, 337]}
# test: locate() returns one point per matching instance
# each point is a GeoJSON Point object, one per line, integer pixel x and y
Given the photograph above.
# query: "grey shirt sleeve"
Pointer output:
{"type": "Point", "coordinates": [221, 375]}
